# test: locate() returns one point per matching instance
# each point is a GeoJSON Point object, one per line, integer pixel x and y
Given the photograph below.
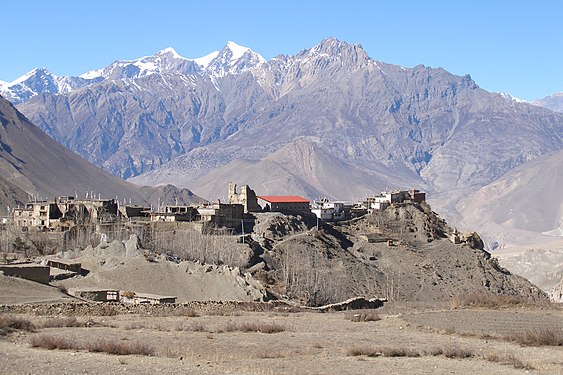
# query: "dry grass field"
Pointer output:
{"type": "Point", "coordinates": [397, 339]}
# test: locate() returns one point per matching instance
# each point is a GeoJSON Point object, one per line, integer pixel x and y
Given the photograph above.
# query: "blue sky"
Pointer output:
{"type": "Point", "coordinates": [512, 46]}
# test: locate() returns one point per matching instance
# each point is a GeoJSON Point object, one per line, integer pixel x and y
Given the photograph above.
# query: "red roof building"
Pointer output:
{"type": "Point", "coordinates": [287, 204]}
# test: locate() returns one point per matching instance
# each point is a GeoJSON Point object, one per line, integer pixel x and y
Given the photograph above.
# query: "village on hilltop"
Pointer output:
{"type": "Point", "coordinates": [66, 216]}
{"type": "Point", "coordinates": [63, 213]}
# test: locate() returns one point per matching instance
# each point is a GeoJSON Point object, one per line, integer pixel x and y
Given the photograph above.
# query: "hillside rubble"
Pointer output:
{"type": "Point", "coordinates": [402, 254]}
{"type": "Point", "coordinates": [124, 265]}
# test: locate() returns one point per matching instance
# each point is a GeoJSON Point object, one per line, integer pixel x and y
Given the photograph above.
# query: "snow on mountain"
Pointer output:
{"type": "Point", "coordinates": [206, 60]}
{"type": "Point", "coordinates": [38, 81]}
{"type": "Point", "coordinates": [166, 60]}
{"type": "Point", "coordinates": [510, 97]}
{"type": "Point", "coordinates": [233, 59]}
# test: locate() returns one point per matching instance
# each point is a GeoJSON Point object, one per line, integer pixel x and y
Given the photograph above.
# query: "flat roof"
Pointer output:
{"type": "Point", "coordinates": [152, 296]}
{"type": "Point", "coordinates": [23, 265]}
{"type": "Point", "coordinates": [68, 262]}
{"type": "Point", "coordinates": [283, 199]}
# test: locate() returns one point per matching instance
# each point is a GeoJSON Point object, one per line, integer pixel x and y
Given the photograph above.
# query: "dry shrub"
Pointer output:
{"type": "Point", "coordinates": [269, 354]}
{"type": "Point", "coordinates": [384, 352]}
{"type": "Point", "coordinates": [456, 352]}
{"type": "Point", "coordinates": [369, 352]}
{"type": "Point", "coordinates": [388, 351]}
{"type": "Point", "coordinates": [253, 327]}
{"type": "Point", "coordinates": [434, 352]}
{"type": "Point", "coordinates": [102, 346]}
{"type": "Point", "coordinates": [9, 324]}
{"type": "Point", "coordinates": [538, 336]}
{"type": "Point", "coordinates": [197, 327]}
{"type": "Point", "coordinates": [170, 351]}
{"type": "Point", "coordinates": [54, 342]}
{"type": "Point", "coordinates": [365, 316]}
{"type": "Point", "coordinates": [488, 300]}
{"type": "Point", "coordinates": [185, 312]}
{"type": "Point", "coordinates": [107, 310]}
{"type": "Point", "coordinates": [63, 322]}
{"type": "Point", "coordinates": [120, 347]}
{"type": "Point", "coordinates": [189, 313]}
{"type": "Point", "coordinates": [508, 359]}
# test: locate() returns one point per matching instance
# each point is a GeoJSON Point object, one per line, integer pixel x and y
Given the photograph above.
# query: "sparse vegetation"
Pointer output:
{"type": "Point", "coordinates": [114, 347]}
{"type": "Point", "coordinates": [120, 347]}
{"type": "Point", "coordinates": [9, 324]}
{"type": "Point", "coordinates": [310, 276]}
{"type": "Point", "coordinates": [509, 360]}
{"type": "Point", "coordinates": [107, 310]}
{"type": "Point", "coordinates": [390, 351]}
{"type": "Point", "coordinates": [486, 300]}
{"type": "Point", "coordinates": [538, 336]}
{"type": "Point", "coordinates": [261, 327]}
{"type": "Point", "coordinates": [52, 342]}
{"type": "Point", "coordinates": [63, 322]}
{"type": "Point", "coordinates": [454, 351]}
{"type": "Point", "coordinates": [384, 352]}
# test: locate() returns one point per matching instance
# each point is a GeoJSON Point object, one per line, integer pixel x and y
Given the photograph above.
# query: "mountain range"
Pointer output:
{"type": "Point", "coordinates": [329, 121]}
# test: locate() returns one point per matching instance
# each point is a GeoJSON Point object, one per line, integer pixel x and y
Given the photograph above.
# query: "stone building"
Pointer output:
{"type": "Point", "coordinates": [64, 212]}
{"type": "Point", "coordinates": [246, 197]}
{"type": "Point", "coordinates": [222, 215]}
{"type": "Point", "coordinates": [175, 213]}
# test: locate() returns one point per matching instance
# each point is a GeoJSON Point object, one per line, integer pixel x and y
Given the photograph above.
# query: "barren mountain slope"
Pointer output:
{"type": "Point", "coordinates": [303, 168]}
{"type": "Point", "coordinates": [553, 102]}
{"type": "Point", "coordinates": [525, 202]}
{"type": "Point", "coordinates": [37, 164]}
{"type": "Point", "coordinates": [10, 195]}
{"type": "Point", "coordinates": [32, 162]}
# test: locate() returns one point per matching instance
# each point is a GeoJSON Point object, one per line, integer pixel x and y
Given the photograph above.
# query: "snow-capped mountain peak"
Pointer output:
{"type": "Point", "coordinates": [32, 83]}
{"type": "Point", "coordinates": [171, 52]}
{"type": "Point", "coordinates": [237, 50]}
{"type": "Point", "coordinates": [37, 72]}
{"type": "Point", "coordinates": [233, 59]}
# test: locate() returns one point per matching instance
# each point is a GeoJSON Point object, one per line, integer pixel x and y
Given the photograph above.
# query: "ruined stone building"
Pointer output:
{"type": "Point", "coordinates": [63, 212]}
{"type": "Point", "coordinates": [175, 213]}
{"type": "Point", "coordinates": [221, 214]}
{"type": "Point", "coordinates": [246, 197]}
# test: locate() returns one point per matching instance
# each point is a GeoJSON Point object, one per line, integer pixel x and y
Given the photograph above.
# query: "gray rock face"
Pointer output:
{"type": "Point", "coordinates": [553, 102]}
{"type": "Point", "coordinates": [328, 121]}
{"type": "Point", "coordinates": [33, 163]}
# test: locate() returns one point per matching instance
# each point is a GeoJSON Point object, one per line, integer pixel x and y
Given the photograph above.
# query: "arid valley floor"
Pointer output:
{"type": "Point", "coordinates": [407, 339]}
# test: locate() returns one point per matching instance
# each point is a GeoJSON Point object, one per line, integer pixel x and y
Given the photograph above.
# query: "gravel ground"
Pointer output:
{"type": "Point", "coordinates": [309, 343]}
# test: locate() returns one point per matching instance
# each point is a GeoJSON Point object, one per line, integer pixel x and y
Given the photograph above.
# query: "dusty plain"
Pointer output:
{"type": "Point", "coordinates": [438, 340]}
